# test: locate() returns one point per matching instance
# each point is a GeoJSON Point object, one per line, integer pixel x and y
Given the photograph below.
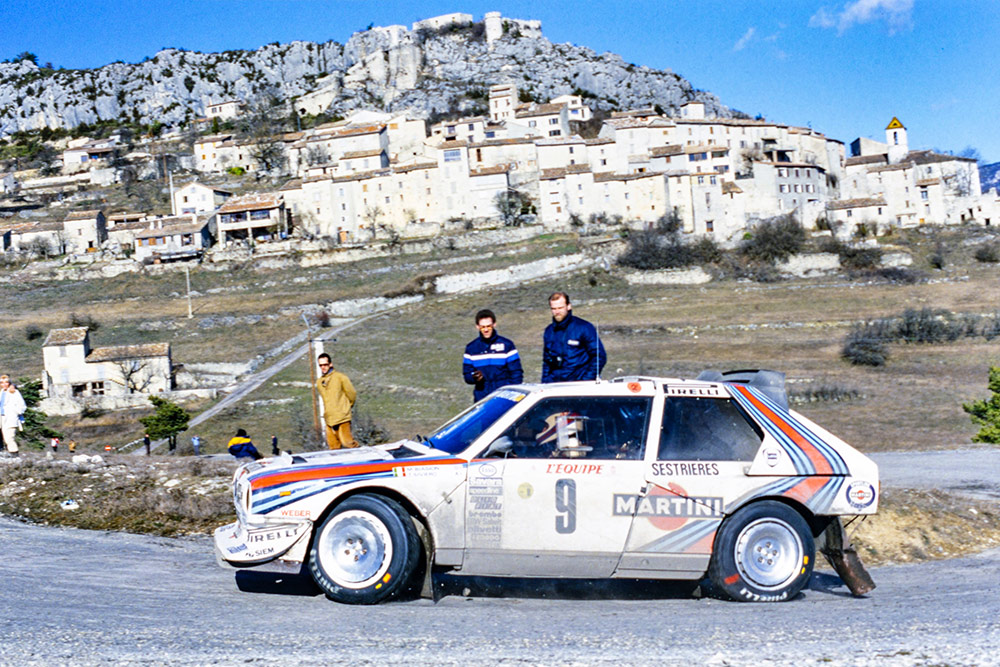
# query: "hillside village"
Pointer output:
{"type": "Point", "coordinates": [233, 184]}
{"type": "Point", "coordinates": [383, 175]}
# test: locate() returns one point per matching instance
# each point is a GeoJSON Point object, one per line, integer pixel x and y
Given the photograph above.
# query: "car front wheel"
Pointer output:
{"type": "Point", "coordinates": [365, 551]}
{"type": "Point", "coordinates": [764, 552]}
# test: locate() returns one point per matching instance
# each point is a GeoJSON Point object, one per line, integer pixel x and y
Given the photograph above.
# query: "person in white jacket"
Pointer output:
{"type": "Point", "coordinates": [11, 408]}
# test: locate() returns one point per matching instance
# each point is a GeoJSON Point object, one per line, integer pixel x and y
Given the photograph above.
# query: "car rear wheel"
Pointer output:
{"type": "Point", "coordinates": [763, 553]}
{"type": "Point", "coordinates": [365, 551]}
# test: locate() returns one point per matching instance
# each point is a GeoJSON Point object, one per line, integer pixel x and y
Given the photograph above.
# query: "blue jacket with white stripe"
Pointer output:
{"type": "Point", "coordinates": [497, 359]}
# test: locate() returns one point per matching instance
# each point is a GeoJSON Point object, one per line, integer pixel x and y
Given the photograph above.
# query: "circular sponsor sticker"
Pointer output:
{"type": "Point", "coordinates": [860, 495]}
{"type": "Point", "coordinates": [487, 470]}
{"type": "Point", "coordinates": [525, 490]}
{"type": "Point", "coordinates": [634, 387]}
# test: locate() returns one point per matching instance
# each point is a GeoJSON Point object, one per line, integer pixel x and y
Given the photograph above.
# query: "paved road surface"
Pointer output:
{"type": "Point", "coordinates": [81, 597]}
{"type": "Point", "coordinates": [973, 470]}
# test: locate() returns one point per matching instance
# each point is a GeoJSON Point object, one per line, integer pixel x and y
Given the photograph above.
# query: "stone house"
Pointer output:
{"type": "Point", "coordinates": [74, 369]}
{"type": "Point", "coordinates": [87, 155]}
{"type": "Point", "coordinates": [224, 110]}
{"type": "Point", "coordinates": [39, 237]}
{"type": "Point", "coordinates": [174, 238]}
{"type": "Point", "coordinates": [253, 218]}
{"type": "Point", "coordinates": [196, 197]}
{"type": "Point", "coordinates": [85, 231]}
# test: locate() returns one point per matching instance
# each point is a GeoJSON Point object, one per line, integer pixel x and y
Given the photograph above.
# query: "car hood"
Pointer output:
{"type": "Point", "coordinates": [276, 482]}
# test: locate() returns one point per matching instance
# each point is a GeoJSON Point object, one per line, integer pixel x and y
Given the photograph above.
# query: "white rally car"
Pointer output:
{"type": "Point", "coordinates": [642, 478]}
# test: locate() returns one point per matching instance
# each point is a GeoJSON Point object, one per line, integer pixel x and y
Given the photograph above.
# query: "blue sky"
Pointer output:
{"type": "Point", "coordinates": [844, 67]}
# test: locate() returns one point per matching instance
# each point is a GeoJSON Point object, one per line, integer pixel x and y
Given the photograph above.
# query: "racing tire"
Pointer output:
{"type": "Point", "coordinates": [365, 551]}
{"type": "Point", "coordinates": [764, 552]}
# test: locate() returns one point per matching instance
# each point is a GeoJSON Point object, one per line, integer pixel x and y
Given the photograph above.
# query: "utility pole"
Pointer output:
{"type": "Point", "coordinates": [311, 360]}
{"type": "Point", "coordinates": [187, 277]}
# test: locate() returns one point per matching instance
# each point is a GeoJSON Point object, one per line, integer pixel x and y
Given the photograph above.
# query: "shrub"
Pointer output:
{"type": "Point", "coordinates": [852, 257]}
{"type": "Point", "coordinates": [822, 394]}
{"type": "Point", "coordinates": [367, 431]}
{"type": "Point", "coordinates": [649, 250]}
{"type": "Point", "coordinates": [32, 332]}
{"type": "Point", "coordinates": [896, 274]}
{"type": "Point", "coordinates": [988, 253]}
{"type": "Point", "coordinates": [84, 321]}
{"type": "Point", "coordinates": [991, 326]}
{"type": "Point", "coordinates": [929, 326]}
{"type": "Point", "coordinates": [774, 240]}
{"type": "Point", "coordinates": [865, 345]}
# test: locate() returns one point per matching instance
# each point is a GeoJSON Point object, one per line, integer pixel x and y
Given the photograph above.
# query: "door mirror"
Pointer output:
{"type": "Point", "coordinates": [500, 447]}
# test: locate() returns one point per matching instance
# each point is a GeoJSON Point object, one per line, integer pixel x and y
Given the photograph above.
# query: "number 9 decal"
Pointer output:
{"type": "Point", "coordinates": [566, 506]}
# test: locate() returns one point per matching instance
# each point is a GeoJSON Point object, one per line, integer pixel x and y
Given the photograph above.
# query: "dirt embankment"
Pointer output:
{"type": "Point", "coordinates": [186, 495]}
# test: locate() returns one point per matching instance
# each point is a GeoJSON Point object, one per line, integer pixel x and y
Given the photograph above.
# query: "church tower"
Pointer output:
{"type": "Point", "coordinates": [895, 136]}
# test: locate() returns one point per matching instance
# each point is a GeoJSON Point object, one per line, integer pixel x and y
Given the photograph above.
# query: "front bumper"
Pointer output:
{"type": "Point", "coordinates": [237, 546]}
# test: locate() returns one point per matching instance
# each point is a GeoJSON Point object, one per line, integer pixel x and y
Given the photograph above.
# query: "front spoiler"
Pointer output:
{"type": "Point", "coordinates": [844, 559]}
{"type": "Point", "coordinates": [237, 546]}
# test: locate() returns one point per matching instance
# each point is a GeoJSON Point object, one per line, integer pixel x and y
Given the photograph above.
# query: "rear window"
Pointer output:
{"type": "Point", "coordinates": [706, 429]}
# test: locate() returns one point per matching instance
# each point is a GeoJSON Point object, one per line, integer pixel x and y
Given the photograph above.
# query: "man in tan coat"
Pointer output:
{"type": "Point", "coordinates": [338, 397]}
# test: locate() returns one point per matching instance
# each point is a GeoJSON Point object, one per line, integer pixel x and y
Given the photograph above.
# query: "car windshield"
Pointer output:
{"type": "Point", "coordinates": [459, 433]}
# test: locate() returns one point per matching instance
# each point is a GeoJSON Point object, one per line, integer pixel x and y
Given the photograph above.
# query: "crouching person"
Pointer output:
{"type": "Point", "coordinates": [241, 447]}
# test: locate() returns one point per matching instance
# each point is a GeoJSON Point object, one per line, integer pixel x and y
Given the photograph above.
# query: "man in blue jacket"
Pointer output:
{"type": "Point", "coordinates": [491, 361]}
{"type": "Point", "coordinates": [572, 349]}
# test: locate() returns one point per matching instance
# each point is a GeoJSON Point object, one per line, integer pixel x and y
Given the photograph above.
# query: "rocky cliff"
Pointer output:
{"type": "Point", "coordinates": [390, 68]}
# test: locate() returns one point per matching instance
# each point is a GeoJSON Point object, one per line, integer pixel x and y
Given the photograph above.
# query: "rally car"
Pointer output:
{"type": "Point", "coordinates": [637, 477]}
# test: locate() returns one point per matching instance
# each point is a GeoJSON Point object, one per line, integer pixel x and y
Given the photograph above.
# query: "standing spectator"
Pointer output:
{"type": "Point", "coordinates": [491, 361]}
{"type": "Point", "coordinates": [572, 350]}
{"type": "Point", "coordinates": [338, 396]}
{"type": "Point", "coordinates": [196, 444]}
{"type": "Point", "coordinates": [12, 409]}
{"type": "Point", "coordinates": [145, 442]}
{"type": "Point", "coordinates": [274, 445]}
{"type": "Point", "coordinates": [72, 446]}
{"type": "Point", "coordinates": [242, 447]}
{"type": "Point", "coordinates": [54, 443]}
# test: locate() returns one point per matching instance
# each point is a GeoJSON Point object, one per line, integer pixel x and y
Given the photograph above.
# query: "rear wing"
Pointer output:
{"type": "Point", "coordinates": [770, 383]}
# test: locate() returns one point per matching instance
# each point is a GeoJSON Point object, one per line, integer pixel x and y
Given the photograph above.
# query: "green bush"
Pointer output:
{"type": "Point", "coordinates": [986, 412]}
{"type": "Point", "coordinates": [774, 240]}
{"type": "Point", "coordinates": [866, 344]}
{"type": "Point", "coordinates": [988, 253]}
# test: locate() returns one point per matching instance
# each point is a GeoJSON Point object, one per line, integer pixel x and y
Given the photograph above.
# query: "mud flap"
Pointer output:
{"type": "Point", "coordinates": [841, 555]}
{"type": "Point", "coordinates": [427, 590]}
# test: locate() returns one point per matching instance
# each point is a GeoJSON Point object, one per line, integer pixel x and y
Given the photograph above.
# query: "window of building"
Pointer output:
{"type": "Point", "coordinates": [782, 188]}
{"type": "Point", "coordinates": [553, 121]}
{"type": "Point", "coordinates": [532, 123]}
{"type": "Point", "coordinates": [712, 180]}
{"type": "Point", "coordinates": [701, 180]}
{"type": "Point", "coordinates": [453, 155]}
{"type": "Point", "coordinates": [709, 226]}
{"type": "Point", "coordinates": [923, 194]}
{"type": "Point", "coordinates": [555, 133]}
{"type": "Point", "coordinates": [850, 213]}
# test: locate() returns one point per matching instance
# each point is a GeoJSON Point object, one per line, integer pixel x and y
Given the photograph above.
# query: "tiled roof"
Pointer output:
{"type": "Point", "coordinates": [123, 352]}
{"type": "Point", "coordinates": [540, 110]}
{"type": "Point", "coordinates": [842, 204]}
{"type": "Point", "coordinates": [251, 202]}
{"type": "Point", "coordinates": [561, 172]}
{"type": "Point", "coordinates": [293, 184]}
{"type": "Point", "coordinates": [930, 157]}
{"type": "Point", "coordinates": [403, 168]}
{"type": "Point", "coordinates": [927, 182]}
{"type": "Point", "coordinates": [611, 176]}
{"type": "Point", "coordinates": [37, 226]}
{"type": "Point", "coordinates": [212, 138]}
{"type": "Point", "coordinates": [452, 143]}
{"type": "Point", "coordinates": [73, 336]}
{"type": "Point", "coordinates": [356, 154]}
{"type": "Point", "coordinates": [730, 188]}
{"type": "Point", "coordinates": [502, 142]}
{"type": "Point", "coordinates": [83, 215]}
{"type": "Point", "coordinates": [489, 171]}
{"type": "Point", "coordinates": [666, 151]}
{"type": "Point", "coordinates": [866, 159]}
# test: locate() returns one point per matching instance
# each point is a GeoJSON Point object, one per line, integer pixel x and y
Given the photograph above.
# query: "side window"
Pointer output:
{"type": "Point", "coordinates": [706, 429]}
{"type": "Point", "coordinates": [582, 427]}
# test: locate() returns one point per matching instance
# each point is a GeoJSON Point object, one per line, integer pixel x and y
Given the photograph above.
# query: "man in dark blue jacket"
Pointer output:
{"type": "Point", "coordinates": [491, 361]}
{"type": "Point", "coordinates": [572, 350]}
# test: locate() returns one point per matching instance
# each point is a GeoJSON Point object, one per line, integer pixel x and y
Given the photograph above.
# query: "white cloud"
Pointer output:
{"type": "Point", "coordinates": [897, 15]}
{"type": "Point", "coordinates": [745, 39]}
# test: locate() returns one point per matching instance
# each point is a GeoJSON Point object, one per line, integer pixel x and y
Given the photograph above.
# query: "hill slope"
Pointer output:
{"type": "Point", "coordinates": [388, 69]}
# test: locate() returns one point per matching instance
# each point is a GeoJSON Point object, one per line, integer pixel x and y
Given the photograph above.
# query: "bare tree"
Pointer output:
{"type": "Point", "coordinates": [261, 126]}
{"type": "Point", "coordinates": [317, 155]}
{"type": "Point", "coordinates": [135, 375]}
{"type": "Point", "coordinates": [510, 204]}
{"type": "Point", "coordinates": [371, 216]}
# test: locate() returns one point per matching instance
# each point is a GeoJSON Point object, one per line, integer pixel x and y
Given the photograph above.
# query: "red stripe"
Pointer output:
{"type": "Point", "coordinates": [732, 579]}
{"type": "Point", "coordinates": [265, 481]}
{"type": "Point", "coordinates": [819, 461]}
{"type": "Point", "coordinates": [806, 489]}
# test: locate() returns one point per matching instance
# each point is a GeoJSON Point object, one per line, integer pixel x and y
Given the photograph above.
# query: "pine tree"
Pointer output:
{"type": "Point", "coordinates": [168, 420]}
{"type": "Point", "coordinates": [986, 412]}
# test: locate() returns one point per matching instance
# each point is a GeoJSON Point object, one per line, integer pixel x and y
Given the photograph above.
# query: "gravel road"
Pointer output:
{"type": "Point", "coordinates": [81, 597]}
